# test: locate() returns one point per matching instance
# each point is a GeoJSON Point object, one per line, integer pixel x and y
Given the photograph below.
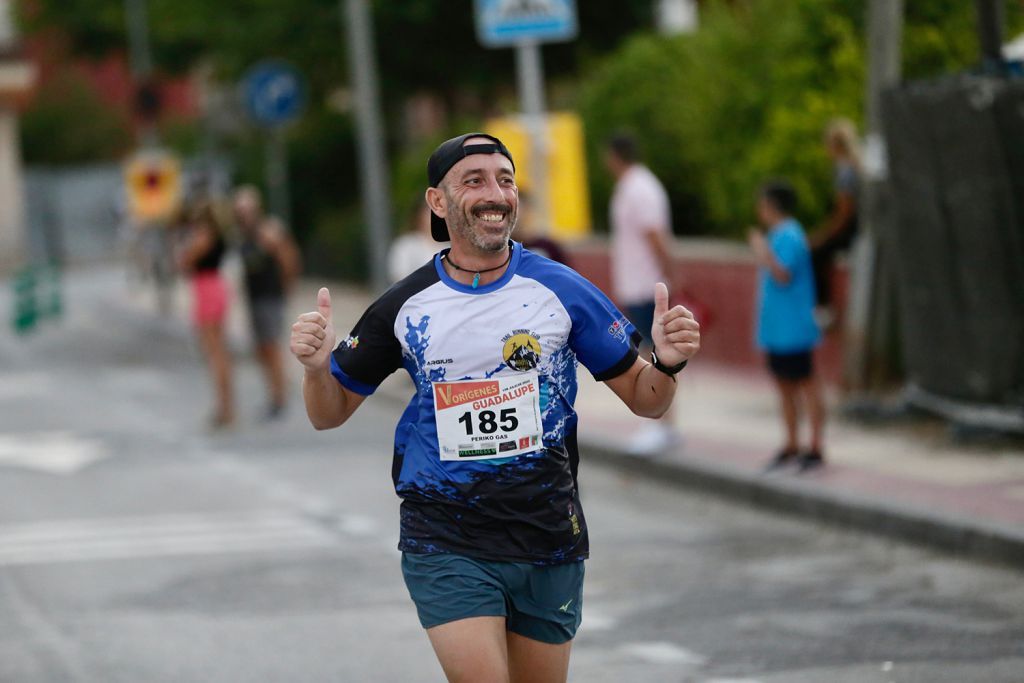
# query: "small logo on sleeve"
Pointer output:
{"type": "Point", "coordinates": [350, 342]}
{"type": "Point", "coordinates": [618, 328]}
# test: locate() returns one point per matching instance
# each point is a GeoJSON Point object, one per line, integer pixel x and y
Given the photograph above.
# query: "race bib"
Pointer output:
{"type": "Point", "coordinates": [490, 418]}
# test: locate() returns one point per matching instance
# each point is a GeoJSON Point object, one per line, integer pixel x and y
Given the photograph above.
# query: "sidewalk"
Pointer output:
{"type": "Point", "coordinates": [905, 480]}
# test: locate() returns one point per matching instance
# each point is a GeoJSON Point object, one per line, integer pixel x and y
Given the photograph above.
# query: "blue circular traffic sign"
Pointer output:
{"type": "Point", "coordinates": [274, 93]}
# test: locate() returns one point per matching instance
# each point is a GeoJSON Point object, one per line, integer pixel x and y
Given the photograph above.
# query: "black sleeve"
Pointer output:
{"type": "Point", "coordinates": [372, 351]}
{"type": "Point", "coordinates": [369, 354]}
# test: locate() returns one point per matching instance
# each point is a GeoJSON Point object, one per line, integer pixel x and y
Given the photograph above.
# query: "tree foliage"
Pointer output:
{"type": "Point", "coordinates": [422, 45]}
{"type": "Point", "coordinates": [70, 124]}
{"type": "Point", "coordinates": [747, 97]}
{"type": "Point", "coordinates": [718, 111]}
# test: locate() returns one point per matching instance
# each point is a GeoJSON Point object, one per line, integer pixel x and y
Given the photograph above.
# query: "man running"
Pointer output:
{"type": "Point", "coordinates": [492, 531]}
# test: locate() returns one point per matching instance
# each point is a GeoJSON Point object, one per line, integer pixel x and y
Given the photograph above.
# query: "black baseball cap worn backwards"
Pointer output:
{"type": "Point", "coordinates": [449, 153]}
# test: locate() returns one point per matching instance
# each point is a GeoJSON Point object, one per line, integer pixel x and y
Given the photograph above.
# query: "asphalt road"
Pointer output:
{"type": "Point", "coordinates": [136, 547]}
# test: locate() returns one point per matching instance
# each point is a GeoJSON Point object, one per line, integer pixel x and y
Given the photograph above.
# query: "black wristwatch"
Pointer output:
{"type": "Point", "coordinates": [668, 370]}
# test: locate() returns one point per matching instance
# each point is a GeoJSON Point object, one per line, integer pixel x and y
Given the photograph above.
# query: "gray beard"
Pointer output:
{"type": "Point", "coordinates": [459, 223]}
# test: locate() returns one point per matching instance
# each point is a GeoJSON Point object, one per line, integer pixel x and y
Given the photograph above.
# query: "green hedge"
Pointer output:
{"type": "Point", "coordinates": [720, 110]}
{"type": "Point", "coordinates": [748, 95]}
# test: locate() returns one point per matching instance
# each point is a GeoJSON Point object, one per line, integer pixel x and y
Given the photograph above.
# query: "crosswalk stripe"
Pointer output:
{"type": "Point", "coordinates": [158, 536]}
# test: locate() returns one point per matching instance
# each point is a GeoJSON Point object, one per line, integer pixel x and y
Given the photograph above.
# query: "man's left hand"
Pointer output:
{"type": "Point", "coordinates": [676, 333]}
{"type": "Point", "coordinates": [757, 242]}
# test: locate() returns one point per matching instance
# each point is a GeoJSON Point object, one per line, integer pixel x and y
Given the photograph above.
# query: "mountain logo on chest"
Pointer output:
{"type": "Point", "coordinates": [522, 350]}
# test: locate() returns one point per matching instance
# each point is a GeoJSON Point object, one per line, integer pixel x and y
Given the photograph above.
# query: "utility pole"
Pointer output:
{"type": "Point", "coordinates": [872, 288]}
{"type": "Point", "coordinates": [373, 173]}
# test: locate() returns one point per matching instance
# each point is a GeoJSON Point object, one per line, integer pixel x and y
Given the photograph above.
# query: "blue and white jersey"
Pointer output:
{"type": "Point", "coordinates": [499, 482]}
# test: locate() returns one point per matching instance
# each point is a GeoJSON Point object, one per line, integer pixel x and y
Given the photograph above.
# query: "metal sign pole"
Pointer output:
{"type": "Point", "coordinates": [141, 57]}
{"type": "Point", "coordinates": [530, 73]}
{"type": "Point", "coordinates": [277, 175]}
{"type": "Point", "coordinates": [525, 25]}
{"type": "Point", "coordinates": [274, 95]}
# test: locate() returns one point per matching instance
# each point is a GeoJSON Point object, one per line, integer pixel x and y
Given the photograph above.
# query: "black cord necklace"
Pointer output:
{"type": "Point", "coordinates": [476, 276]}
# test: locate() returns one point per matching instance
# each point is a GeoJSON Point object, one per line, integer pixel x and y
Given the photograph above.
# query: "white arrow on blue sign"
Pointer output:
{"type": "Point", "coordinates": [274, 93]}
{"type": "Point", "coordinates": [503, 23]}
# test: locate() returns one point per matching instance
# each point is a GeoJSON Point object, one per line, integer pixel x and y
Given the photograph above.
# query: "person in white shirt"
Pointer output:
{"type": "Point", "coordinates": [413, 248]}
{"type": "Point", "coordinates": [641, 256]}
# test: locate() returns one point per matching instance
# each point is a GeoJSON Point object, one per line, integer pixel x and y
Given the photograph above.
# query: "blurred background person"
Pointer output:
{"type": "Point", "coordinates": [837, 233]}
{"type": "Point", "coordinates": [201, 256]}
{"type": "Point", "coordinates": [533, 235]}
{"type": "Point", "coordinates": [641, 227]}
{"type": "Point", "coordinates": [271, 264]}
{"type": "Point", "coordinates": [415, 246]}
{"type": "Point", "coordinates": [786, 330]}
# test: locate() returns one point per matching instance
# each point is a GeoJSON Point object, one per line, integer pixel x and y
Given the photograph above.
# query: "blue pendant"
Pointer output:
{"type": "Point", "coordinates": [476, 280]}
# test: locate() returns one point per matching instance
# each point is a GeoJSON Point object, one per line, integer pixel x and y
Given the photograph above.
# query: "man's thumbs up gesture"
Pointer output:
{"type": "Point", "coordinates": [676, 334]}
{"type": "Point", "coordinates": [313, 334]}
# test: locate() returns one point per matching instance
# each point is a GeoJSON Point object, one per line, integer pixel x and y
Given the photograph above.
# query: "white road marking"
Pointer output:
{"type": "Point", "coordinates": [661, 652]}
{"type": "Point", "coordinates": [80, 540]}
{"type": "Point", "coordinates": [732, 680]}
{"type": "Point", "coordinates": [51, 452]}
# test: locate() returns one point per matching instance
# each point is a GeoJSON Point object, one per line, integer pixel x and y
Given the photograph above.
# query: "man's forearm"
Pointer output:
{"type": "Point", "coordinates": [326, 402]}
{"type": "Point", "coordinates": [767, 260]}
{"type": "Point", "coordinates": [653, 392]}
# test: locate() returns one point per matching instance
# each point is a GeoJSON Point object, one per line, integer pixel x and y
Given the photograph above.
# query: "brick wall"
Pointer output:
{"type": "Point", "coordinates": [721, 276]}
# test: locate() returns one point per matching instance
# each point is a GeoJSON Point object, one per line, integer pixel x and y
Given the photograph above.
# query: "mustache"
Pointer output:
{"type": "Point", "coordinates": [504, 208]}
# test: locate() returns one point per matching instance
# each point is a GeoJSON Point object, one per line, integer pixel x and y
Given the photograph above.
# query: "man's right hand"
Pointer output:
{"type": "Point", "coordinates": [313, 335]}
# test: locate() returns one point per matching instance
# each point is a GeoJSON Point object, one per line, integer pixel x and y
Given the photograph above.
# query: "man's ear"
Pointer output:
{"type": "Point", "coordinates": [437, 202]}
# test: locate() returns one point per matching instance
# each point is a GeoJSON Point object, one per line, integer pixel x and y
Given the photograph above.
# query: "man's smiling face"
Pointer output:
{"type": "Point", "coordinates": [481, 199]}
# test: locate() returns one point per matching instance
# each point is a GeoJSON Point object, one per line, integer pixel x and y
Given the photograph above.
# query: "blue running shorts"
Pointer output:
{"type": "Point", "coordinates": [540, 602]}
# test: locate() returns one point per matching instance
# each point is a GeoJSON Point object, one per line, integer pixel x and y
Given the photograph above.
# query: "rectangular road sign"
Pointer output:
{"type": "Point", "coordinates": [504, 23]}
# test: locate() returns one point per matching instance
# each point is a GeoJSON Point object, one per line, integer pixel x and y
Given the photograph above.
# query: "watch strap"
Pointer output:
{"type": "Point", "coordinates": [661, 367]}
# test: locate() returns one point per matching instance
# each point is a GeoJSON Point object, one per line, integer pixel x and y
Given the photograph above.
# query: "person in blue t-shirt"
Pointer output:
{"type": "Point", "coordinates": [786, 330]}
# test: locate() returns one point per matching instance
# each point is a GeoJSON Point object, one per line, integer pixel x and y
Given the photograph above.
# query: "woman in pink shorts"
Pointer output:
{"type": "Point", "coordinates": [201, 258]}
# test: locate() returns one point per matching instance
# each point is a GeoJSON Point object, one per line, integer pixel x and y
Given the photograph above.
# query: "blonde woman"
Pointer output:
{"type": "Point", "coordinates": [839, 229]}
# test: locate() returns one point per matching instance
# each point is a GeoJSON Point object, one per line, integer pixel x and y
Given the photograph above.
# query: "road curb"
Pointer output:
{"type": "Point", "coordinates": [802, 498]}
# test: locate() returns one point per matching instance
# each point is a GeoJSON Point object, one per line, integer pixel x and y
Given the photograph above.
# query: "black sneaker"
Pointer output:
{"type": "Point", "coordinates": [810, 460]}
{"type": "Point", "coordinates": [783, 458]}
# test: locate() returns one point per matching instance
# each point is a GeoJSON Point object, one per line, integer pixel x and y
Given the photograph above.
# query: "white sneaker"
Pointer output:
{"type": "Point", "coordinates": [655, 439]}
